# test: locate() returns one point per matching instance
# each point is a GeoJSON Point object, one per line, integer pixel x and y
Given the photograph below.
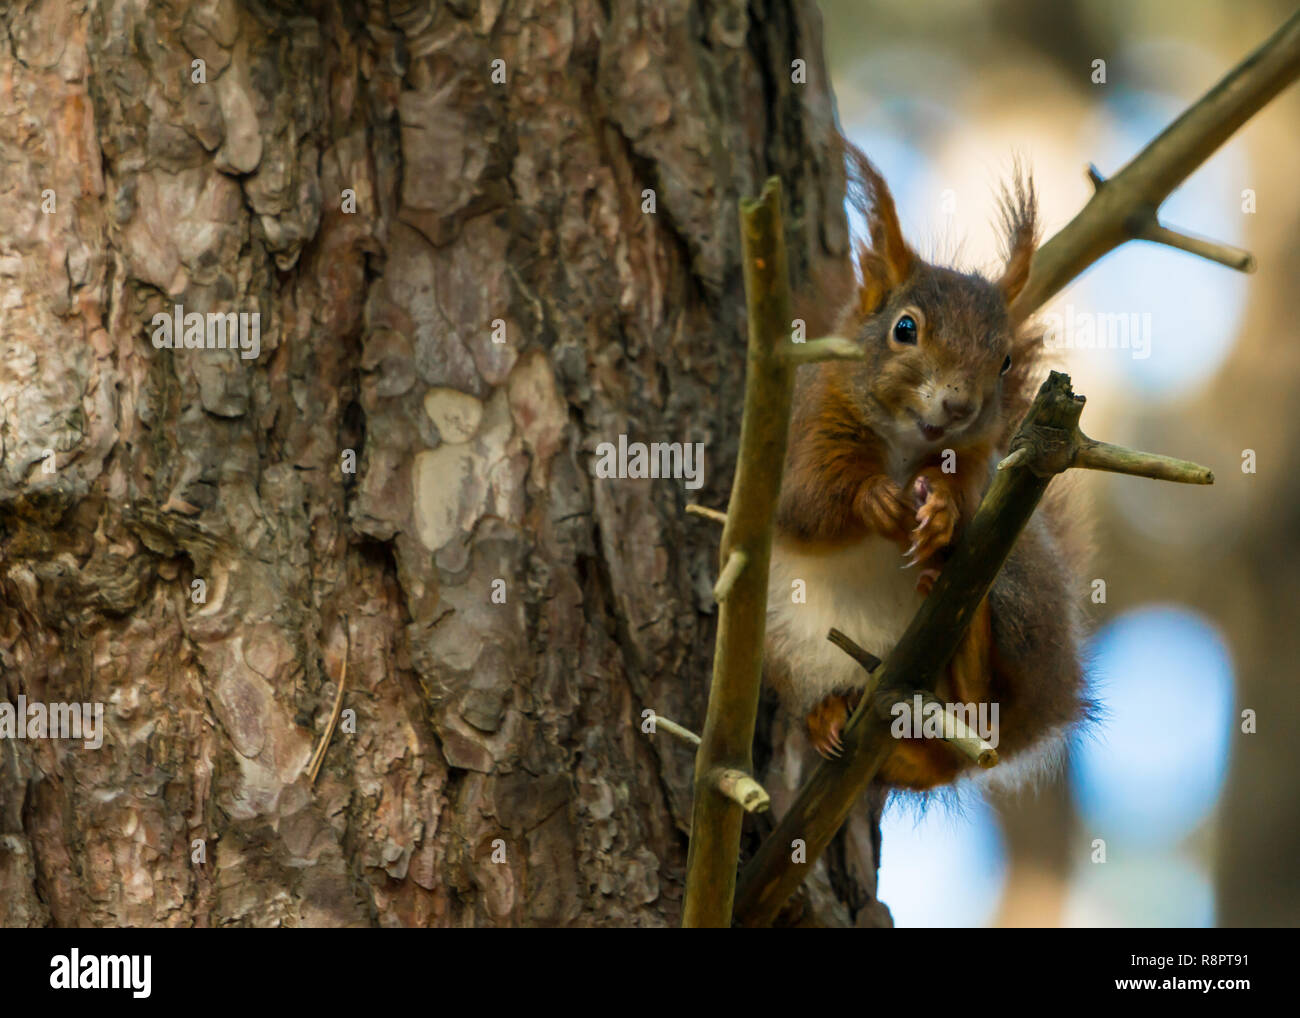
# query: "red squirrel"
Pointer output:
{"type": "Point", "coordinates": [945, 380]}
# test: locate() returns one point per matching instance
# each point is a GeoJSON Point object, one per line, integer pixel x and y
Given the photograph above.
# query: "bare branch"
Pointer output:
{"type": "Point", "coordinates": [741, 788]}
{"type": "Point", "coordinates": [728, 736]}
{"type": "Point", "coordinates": [830, 348]}
{"type": "Point", "coordinates": [956, 732]}
{"type": "Point", "coordinates": [1224, 254]}
{"type": "Point", "coordinates": [1108, 220]}
{"type": "Point", "coordinates": [730, 574]}
{"type": "Point", "coordinates": [707, 513]}
{"type": "Point", "coordinates": [1014, 459]}
{"type": "Point", "coordinates": [1094, 455]}
{"type": "Point", "coordinates": [673, 728]}
{"type": "Point", "coordinates": [867, 660]}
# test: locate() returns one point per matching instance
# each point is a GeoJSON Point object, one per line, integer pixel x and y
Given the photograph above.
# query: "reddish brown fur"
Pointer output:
{"type": "Point", "coordinates": [843, 442]}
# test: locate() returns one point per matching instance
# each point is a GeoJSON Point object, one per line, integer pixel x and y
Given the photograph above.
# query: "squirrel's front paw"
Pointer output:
{"type": "Point", "coordinates": [882, 506]}
{"type": "Point", "coordinates": [936, 519]}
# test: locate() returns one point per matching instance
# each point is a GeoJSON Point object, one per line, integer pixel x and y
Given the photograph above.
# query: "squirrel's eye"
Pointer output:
{"type": "Point", "coordinates": [1006, 365]}
{"type": "Point", "coordinates": [905, 330]}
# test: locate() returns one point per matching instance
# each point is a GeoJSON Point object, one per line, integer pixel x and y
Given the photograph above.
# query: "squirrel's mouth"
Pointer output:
{"type": "Point", "coordinates": [931, 432]}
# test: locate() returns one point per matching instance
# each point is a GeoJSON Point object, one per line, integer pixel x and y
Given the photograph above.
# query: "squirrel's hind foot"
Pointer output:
{"type": "Point", "coordinates": [826, 723]}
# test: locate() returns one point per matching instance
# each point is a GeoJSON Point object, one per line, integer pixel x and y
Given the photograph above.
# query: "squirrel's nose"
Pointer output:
{"type": "Point", "coordinates": [957, 412]}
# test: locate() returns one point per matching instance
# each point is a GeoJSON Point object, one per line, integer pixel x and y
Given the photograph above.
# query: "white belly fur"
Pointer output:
{"type": "Point", "coordinates": [860, 589]}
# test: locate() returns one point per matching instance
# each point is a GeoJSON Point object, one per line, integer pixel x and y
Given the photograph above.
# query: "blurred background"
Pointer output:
{"type": "Point", "coordinates": [1182, 807]}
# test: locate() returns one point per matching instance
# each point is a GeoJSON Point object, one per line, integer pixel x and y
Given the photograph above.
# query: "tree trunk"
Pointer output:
{"type": "Point", "coordinates": [499, 303]}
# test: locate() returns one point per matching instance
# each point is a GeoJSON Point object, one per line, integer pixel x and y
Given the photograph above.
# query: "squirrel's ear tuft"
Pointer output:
{"type": "Point", "coordinates": [1019, 209]}
{"type": "Point", "coordinates": [890, 261]}
{"type": "Point", "coordinates": [874, 285]}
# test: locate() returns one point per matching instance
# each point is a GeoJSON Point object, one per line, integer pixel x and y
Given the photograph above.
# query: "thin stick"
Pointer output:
{"type": "Point", "coordinates": [729, 575]}
{"type": "Point", "coordinates": [741, 788]}
{"type": "Point", "coordinates": [1094, 455]}
{"type": "Point", "coordinates": [831, 348]}
{"type": "Point", "coordinates": [673, 728]}
{"type": "Point", "coordinates": [960, 736]}
{"type": "Point", "coordinates": [955, 731]}
{"type": "Point", "coordinates": [728, 738]}
{"type": "Point", "coordinates": [707, 513]}
{"type": "Point", "coordinates": [1212, 250]}
{"type": "Point", "coordinates": [318, 757]}
{"type": "Point", "coordinates": [867, 660]}
{"type": "Point", "coordinates": [1144, 224]}
{"type": "Point", "coordinates": [1016, 457]}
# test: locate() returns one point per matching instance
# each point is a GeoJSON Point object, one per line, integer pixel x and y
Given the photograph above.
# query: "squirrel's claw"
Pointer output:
{"type": "Point", "coordinates": [936, 520]}
{"type": "Point", "coordinates": [829, 746]}
{"type": "Point", "coordinates": [925, 545]}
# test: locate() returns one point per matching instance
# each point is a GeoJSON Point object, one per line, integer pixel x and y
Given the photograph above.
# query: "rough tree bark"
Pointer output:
{"type": "Point", "coordinates": [480, 727]}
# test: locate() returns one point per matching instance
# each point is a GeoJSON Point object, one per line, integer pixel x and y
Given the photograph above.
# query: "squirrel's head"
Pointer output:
{"type": "Point", "coordinates": [939, 343]}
